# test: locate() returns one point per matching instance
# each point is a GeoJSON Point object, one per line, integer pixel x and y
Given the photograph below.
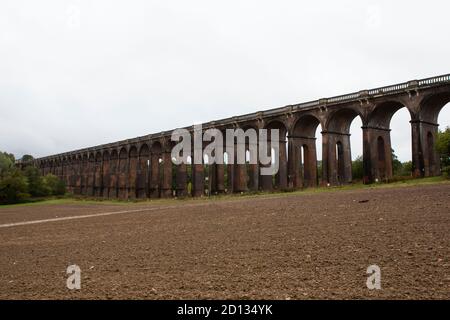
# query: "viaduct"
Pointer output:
{"type": "Point", "coordinates": [142, 167]}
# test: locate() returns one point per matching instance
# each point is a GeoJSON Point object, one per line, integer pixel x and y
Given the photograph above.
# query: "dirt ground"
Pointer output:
{"type": "Point", "coordinates": [302, 246]}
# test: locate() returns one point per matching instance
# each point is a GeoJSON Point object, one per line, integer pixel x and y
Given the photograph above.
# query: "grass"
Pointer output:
{"type": "Point", "coordinates": [64, 200]}
{"type": "Point", "coordinates": [70, 200]}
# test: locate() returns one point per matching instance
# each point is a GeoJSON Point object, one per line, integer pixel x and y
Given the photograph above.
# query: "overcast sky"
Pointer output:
{"type": "Point", "coordinates": [80, 73]}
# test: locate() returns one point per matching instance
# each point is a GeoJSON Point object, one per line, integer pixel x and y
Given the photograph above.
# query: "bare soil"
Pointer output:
{"type": "Point", "coordinates": [303, 246]}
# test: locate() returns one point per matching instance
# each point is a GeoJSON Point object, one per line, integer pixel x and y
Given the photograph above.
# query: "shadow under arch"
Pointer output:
{"type": "Point", "coordinates": [238, 175]}
{"type": "Point", "coordinates": [98, 174]}
{"type": "Point", "coordinates": [106, 174]}
{"type": "Point", "coordinates": [377, 145]}
{"type": "Point", "coordinates": [280, 180]}
{"type": "Point", "coordinates": [336, 151]}
{"type": "Point", "coordinates": [426, 160]}
{"type": "Point", "coordinates": [142, 176]}
{"type": "Point", "coordinates": [122, 174]}
{"type": "Point", "coordinates": [114, 162]}
{"type": "Point", "coordinates": [132, 172]}
{"type": "Point", "coordinates": [303, 150]}
{"type": "Point", "coordinates": [156, 165]}
{"type": "Point", "coordinates": [84, 172]}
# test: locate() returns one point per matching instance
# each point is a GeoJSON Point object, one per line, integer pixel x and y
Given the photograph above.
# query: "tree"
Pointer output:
{"type": "Point", "coordinates": [443, 148]}
{"type": "Point", "coordinates": [36, 184]}
{"type": "Point", "coordinates": [13, 187]}
{"type": "Point", "coordinates": [55, 185]}
{"type": "Point", "coordinates": [407, 168]}
{"type": "Point", "coordinates": [27, 158]}
{"type": "Point", "coordinates": [397, 166]}
{"type": "Point", "coordinates": [319, 170]}
{"type": "Point", "coordinates": [6, 163]}
{"type": "Point", "coordinates": [357, 168]}
{"type": "Point", "coordinates": [18, 184]}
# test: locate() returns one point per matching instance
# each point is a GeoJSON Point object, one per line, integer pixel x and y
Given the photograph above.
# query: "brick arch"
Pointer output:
{"type": "Point", "coordinates": [90, 174]}
{"type": "Point", "coordinates": [156, 150]}
{"type": "Point", "coordinates": [122, 171]}
{"type": "Point", "coordinates": [142, 178]}
{"type": "Point", "coordinates": [250, 172]}
{"type": "Point", "coordinates": [431, 105]}
{"type": "Point", "coordinates": [84, 172]}
{"type": "Point", "coordinates": [306, 125]}
{"type": "Point", "coordinates": [341, 120]}
{"type": "Point", "coordinates": [106, 174]}
{"type": "Point", "coordinates": [98, 174]}
{"type": "Point", "coordinates": [280, 181]}
{"type": "Point", "coordinates": [337, 158]}
{"type": "Point", "coordinates": [70, 174]}
{"type": "Point", "coordinates": [302, 144]}
{"type": "Point", "coordinates": [377, 150]}
{"type": "Point", "coordinates": [277, 124]}
{"type": "Point", "coordinates": [382, 113]}
{"type": "Point", "coordinates": [144, 149]}
{"type": "Point", "coordinates": [156, 147]}
{"type": "Point", "coordinates": [132, 171]}
{"type": "Point", "coordinates": [425, 128]}
{"type": "Point", "coordinates": [114, 162]}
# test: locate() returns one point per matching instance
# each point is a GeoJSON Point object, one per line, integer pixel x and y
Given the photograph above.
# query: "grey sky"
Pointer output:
{"type": "Point", "coordinates": [79, 73]}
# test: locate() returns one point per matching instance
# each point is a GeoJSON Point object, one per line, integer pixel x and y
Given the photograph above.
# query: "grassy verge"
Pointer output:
{"type": "Point", "coordinates": [70, 200]}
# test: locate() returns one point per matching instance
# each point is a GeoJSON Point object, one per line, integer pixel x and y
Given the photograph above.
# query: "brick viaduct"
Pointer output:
{"type": "Point", "coordinates": [142, 167]}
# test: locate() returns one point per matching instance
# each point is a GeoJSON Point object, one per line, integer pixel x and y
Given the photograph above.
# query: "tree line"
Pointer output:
{"type": "Point", "coordinates": [24, 184]}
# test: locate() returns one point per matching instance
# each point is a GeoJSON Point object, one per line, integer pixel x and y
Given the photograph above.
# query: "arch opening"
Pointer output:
{"type": "Point", "coordinates": [304, 167]}
{"type": "Point", "coordinates": [142, 190]}
{"type": "Point", "coordinates": [278, 181]}
{"type": "Point", "coordinates": [114, 159]}
{"type": "Point", "coordinates": [342, 145]}
{"type": "Point", "coordinates": [390, 121]}
{"type": "Point", "coordinates": [106, 175]}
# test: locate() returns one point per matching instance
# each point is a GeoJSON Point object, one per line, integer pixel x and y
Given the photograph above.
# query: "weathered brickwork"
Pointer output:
{"type": "Point", "coordinates": [142, 167]}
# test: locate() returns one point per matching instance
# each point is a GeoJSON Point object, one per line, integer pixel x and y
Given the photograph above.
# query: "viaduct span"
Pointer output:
{"type": "Point", "coordinates": [142, 167]}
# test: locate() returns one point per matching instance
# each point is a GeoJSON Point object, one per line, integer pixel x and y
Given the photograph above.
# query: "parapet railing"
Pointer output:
{"type": "Point", "coordinates": [396, 88]}
{"type": "Point", "coordinates": [444, 78]}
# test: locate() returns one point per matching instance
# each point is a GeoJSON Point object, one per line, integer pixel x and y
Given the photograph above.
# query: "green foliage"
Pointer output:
{"type": "Point", "coordinates": [54, 185]}
{"type": "Point", "coordinates": [397, 165]}
{"type": "Point", "coordinates": [443, 148]}
{"type": "Point", "coordinates": [400, 169]}
{"type": "Point", "coordinates": [13, 187]}
{"type": "Point", "coordinates": [27, 158]}
{"type": "Point", "coordinates": [6, 163]}
{"type": "Point", "coordinates": [357, 168]}
{"type": "Point", "coordinates": [36, 185]}
{"type": "Point", "coordinates": [319, 170]}
{"type": "Point", "coordinates": [18, 185]}
{"type": "Point", "coordinates": [406, 169]}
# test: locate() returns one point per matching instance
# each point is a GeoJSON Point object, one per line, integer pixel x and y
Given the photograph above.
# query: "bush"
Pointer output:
{"type": "Point", "coordinates": [36, 184]}
{"type": "Point", "coordinates": [446, 172]}
{"type": "Point", "coordinates": [17, 185]}
{"type": "Point", "coordinates": [357, 168]}
{"type": "Point", "coordinates": [443, 148]}
{"type": "Point", "coordinates": [55, 186]}
{"type": "Point", "coordinates": [6, 163]}
{"type": "Point", "coordinates": [13, 188]}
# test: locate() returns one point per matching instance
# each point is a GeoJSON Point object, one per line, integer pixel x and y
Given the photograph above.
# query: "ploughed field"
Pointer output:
{"type": "Point", "coordinates": [298, 246]}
